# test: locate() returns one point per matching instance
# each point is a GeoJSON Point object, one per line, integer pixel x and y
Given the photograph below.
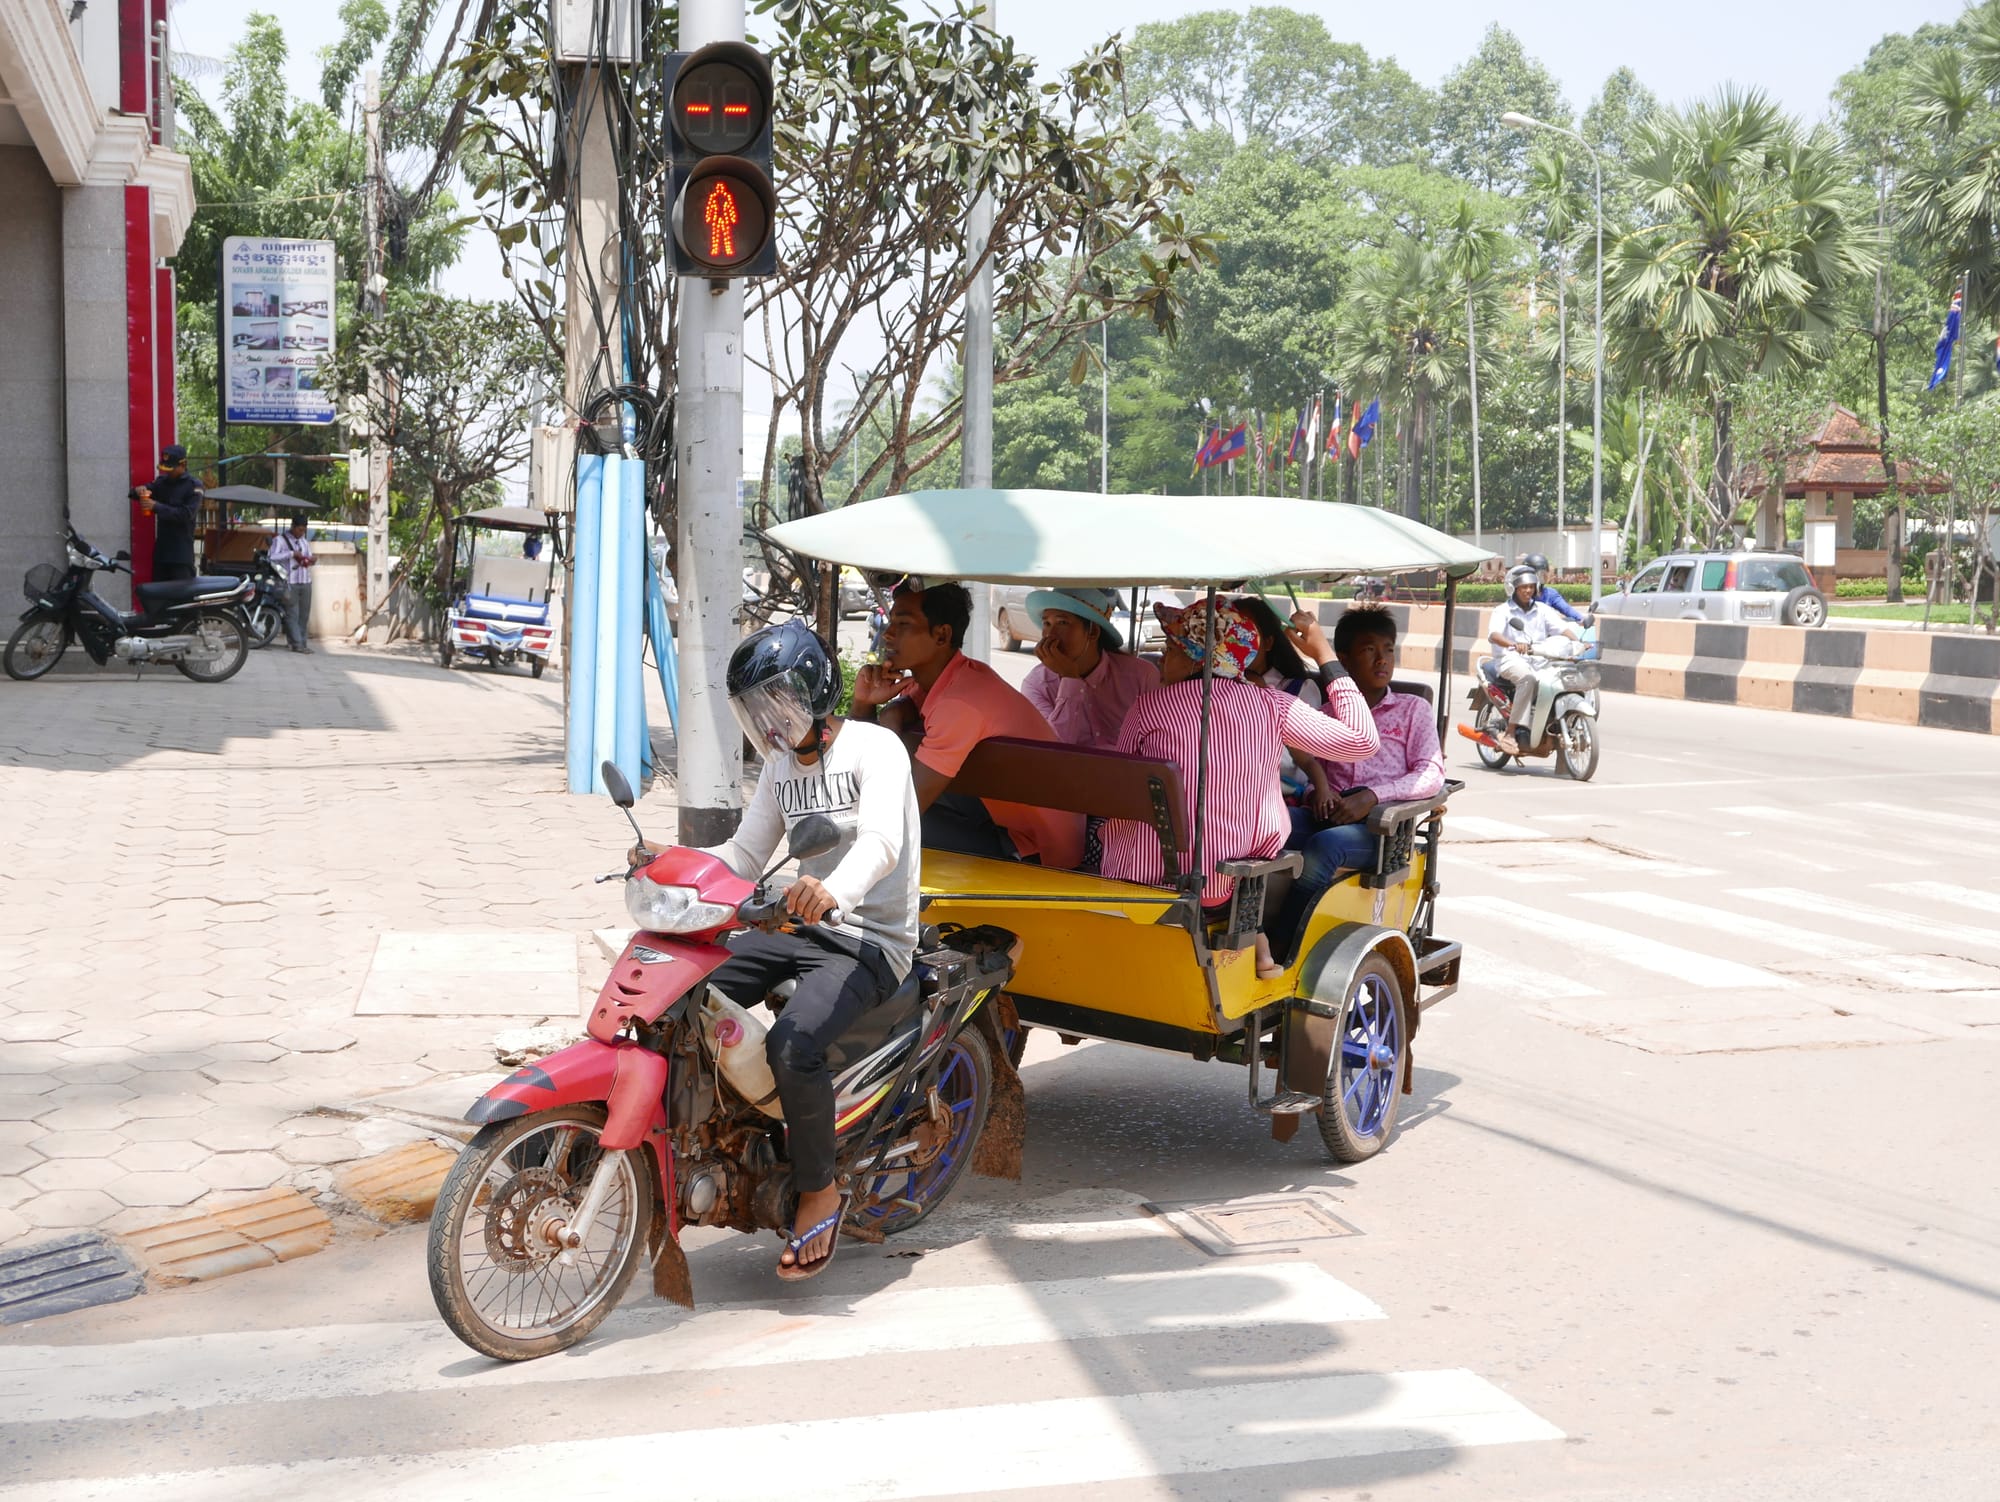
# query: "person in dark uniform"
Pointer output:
{"type": "Point", "coordinates": [172, 499]}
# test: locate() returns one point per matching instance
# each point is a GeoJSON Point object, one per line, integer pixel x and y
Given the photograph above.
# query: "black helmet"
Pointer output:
{"type": "Point", "coordinates": [1539, 562]}
{"type": "Point", "coordinates": [782, 684]}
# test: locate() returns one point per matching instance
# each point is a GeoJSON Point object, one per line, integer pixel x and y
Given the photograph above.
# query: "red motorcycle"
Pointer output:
{"type": "Point", "coordinates": [598, 1154]}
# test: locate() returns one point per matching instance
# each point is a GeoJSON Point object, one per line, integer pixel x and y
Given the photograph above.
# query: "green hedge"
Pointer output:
{"type": "Point", "coordinates": [1493, 594]}
{"type": "Point", "coordinates": [1876, 589]}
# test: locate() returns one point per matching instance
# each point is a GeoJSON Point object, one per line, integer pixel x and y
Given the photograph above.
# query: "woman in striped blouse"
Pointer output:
{"type": "Point", "coordinates": [1245, 816]}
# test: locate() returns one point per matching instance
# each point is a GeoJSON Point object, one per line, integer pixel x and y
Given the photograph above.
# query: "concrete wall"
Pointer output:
{"type": "Point", "coordinates": [32, 476]}
{"type": "Point", "coordinates": [98, 346]}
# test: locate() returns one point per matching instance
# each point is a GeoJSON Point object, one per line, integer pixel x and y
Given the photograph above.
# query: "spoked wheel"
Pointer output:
{"type": "Point", "coordinates": [498, 1272]}
{"type": "Point", "coordinates": [35, 647]}
{"type": "Point", "coordinates": [1490, 722]}
{"type": "Point", "coordinates": [1576, 745]}
{"type": "Point", "coordinates": [1364, 1079]}
{"type": "Point", "coordinates": [263, 619]}
{"type": "Point", "coordinates": [218, 649]}
{"type": "Point", "coordinates": [897, 1199]}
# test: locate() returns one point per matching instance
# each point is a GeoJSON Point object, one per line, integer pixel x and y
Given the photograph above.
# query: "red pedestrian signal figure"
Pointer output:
{"type": "Point", "coordinates": [721, 214]}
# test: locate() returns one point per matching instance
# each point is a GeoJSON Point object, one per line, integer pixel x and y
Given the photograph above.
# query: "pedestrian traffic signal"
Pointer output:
{"type": "Point", "coordinates": [724, 207]}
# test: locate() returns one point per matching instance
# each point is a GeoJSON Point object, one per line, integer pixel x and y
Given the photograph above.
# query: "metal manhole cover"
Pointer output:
{"type": "Point", "coordinates": [1264, 1223]}
{"type": "Point", "coordinates": [79, 1271]}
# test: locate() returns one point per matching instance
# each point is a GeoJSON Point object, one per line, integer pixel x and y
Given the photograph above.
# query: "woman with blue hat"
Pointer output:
{"type": "Point", "coordinates": [1086, 680]}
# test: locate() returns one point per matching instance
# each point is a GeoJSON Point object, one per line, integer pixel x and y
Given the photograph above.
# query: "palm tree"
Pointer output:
{"type": "Point", "coordinates": [1951, 192]}
{"type": "Point", "coordinates": [1749, 236]}
{"type": "Point", "coordinates": [1396, 335]}
{"type": "Point", "coordinates": [1472, 255]}
{"type": "Point", "coordinates": [1563, 209]}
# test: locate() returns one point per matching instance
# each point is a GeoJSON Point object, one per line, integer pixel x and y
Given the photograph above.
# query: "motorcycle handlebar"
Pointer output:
{"type": "Point", "coordinates": [770, 910]}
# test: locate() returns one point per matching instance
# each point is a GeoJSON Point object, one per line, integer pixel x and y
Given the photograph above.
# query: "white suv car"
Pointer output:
{"type": "Point", "coordinates": [1771, 589]}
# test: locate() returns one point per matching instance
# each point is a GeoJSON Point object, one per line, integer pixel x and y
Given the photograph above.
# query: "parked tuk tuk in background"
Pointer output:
{"type": "Point", "coordinates": [500, 595]}
{"type": "Point", "coordinates": [1330, 1036]}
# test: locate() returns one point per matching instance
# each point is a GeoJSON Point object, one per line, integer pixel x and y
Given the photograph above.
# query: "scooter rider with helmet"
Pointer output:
{"type": "Point", "coordinates": [856, 905]}
{"type": "Point", "coordinates": [1516, 624]}
{"type": "Point", "coordinates": [1548, 594]}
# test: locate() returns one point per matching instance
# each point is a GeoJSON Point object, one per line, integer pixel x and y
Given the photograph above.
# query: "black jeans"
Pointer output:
{"type": "Point", "coordinates": [164, 570]}
{"type": "Point", "coordinates": [839, 979]}
{"type": "Point", "coordinates": [961, 824]}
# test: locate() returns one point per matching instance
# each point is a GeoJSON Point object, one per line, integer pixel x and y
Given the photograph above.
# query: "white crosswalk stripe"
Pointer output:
{"type": "Point", "coordinates": [1943, 891]}
{"type": "Point", "coordinates": [1486, 969]}
{"type": "Point", "coordinates": [1063, 1436]}
{"type": "Point", "coordinates": [1473, 828]}
{"type": "Point", "coordinates": [1871, 917]}
{"type": "Point", "coordinates": [1953, 819]}
{"type": "Point", "coordinates": [1058, 1442]}
{"type": "Point", "coordinates": [1697, 916]}
{"type": "Point", "coordinates": [1688, 966]}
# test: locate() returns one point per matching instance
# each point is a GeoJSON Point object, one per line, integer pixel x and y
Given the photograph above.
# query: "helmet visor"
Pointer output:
{"type": "Point", "coordinates": [776, 714]}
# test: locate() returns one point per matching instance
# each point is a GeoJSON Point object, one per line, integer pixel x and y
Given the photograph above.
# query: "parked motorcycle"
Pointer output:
{"type": "Point", "coordinates": [595, 1156]}
{"type": "Point", "coordinates": [264, 616]}
{"type": "Point", "coordinates": [195, 625]}
{"type": "Point", "coordinates": [1568, 729]}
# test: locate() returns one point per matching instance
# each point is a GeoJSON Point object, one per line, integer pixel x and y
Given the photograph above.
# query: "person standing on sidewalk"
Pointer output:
{"type": "Point", "coordinates": [292, 557]}
{"type": "Point", "coordinates": [171, 498]}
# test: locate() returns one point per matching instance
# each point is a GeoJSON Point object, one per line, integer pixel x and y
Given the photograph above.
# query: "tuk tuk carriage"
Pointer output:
{"type": "Point", "coordinates": [500, 600]}
{"type": "Point", "coordinates": [1331, 1036]}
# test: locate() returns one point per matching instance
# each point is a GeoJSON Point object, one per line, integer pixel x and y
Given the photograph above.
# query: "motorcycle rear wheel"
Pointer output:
{"type": "Point", "coordinates": [1576, 746]}
{"type": "Point", "coordinates": [263, 620]}
{"type": "Point", "coordinates": [501, 1288]}
{"type": "Point", "coordinates": [223, 646]}
{"type": "Point", "coordinates": [36, 646]}
{"type": "Point", "coordinates": [907, 1195]}
{"type": "Point", "coordinates": [1490, 721]}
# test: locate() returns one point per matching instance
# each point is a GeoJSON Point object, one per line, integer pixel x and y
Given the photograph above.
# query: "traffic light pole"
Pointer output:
{"type": "Point", "coordinates": [708, 568]}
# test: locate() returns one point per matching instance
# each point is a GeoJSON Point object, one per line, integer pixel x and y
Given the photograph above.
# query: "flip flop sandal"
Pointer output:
{"type": "Point", "coordinates": [796, 1272]}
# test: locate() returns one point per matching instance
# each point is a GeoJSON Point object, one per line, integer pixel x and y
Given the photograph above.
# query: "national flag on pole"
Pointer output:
{"type": "Point", "coordinates": [1947, 339]}
{"type": "Point", "coordinates": [1363, 431]}
{"type": "Point", "coordinates": [1205, 455]}
{"type": "Point", "coordinates": [1333, 430]}
{"type": "Point", "coordinates": [1301, 444]}
{"type": "Point", "coordinates": [1231, 447]}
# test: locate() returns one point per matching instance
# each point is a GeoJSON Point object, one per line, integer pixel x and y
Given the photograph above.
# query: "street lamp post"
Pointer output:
{"type": "Point", "coordinates": [1528, 122]}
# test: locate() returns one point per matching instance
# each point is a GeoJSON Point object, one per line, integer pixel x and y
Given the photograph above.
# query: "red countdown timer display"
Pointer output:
{"type": "Point", "coordinates": [724, 214]}
{"type": "Point", "coordinates": [719, 106]}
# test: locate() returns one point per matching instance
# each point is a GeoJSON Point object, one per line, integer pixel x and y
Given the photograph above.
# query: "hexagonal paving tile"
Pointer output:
{"type": "Point", "coordinates": [243, 1071]}
{"type": "Point", "coordinates": [314, 1040]}
{"type": "Point", "coordinates": [90, 1118]}
{"type": "Point", "coordinates": [100, 1072]}
{"type": "Point", "coordinates": [18, 1157]}
{"type": "Point", "coordinates": [180, 1062]}
{"type": "Point", "coordinates": [236, 1133]}
{"type": "Point", "coordinates": [90, 1095]}
{"type": "Point", "coordinates": [320, 1150]}
{"type": "Point", "coordinates": [180, 1103]}
{"type": "Point", "coordinates": [37, 1058]}
{"type": "Point", "coordinates": [74, 1173]}
{"type": "Point", "coordinates": [40, 1027]}
{"type": "Point", "coordinates": [315, 1124]}
{"type": "Point", "coordinates": [258, 1170]}
{"type": "Point", "coordinates": [101, 1144]}
{"type": "Point", "coordinates": [68, 1208]}
{"type": "Point", "coordinates": [159, 1189]}
{"type": "Point", "coordinates": [171, 1155]}
{"type": "Point", "coordinates": [256, 1052]}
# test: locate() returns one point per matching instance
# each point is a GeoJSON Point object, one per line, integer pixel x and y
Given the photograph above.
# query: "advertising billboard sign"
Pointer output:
{"type": "Point", "coordinates": [277, 329]}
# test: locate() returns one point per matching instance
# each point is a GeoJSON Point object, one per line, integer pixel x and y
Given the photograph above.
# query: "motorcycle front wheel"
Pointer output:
{"type": "Point", "coordinates": [496, 1273]}
{"type": "Point", "coordinates": [263, 619]}
{"type": "Point", "coordinates": [218, 649]}
{"type": "Point", "coordinates": [1576, 746]}
{"type": "Point", "coordinates": [36, 646]}
{"type": "Point", "coordinates": [901, 1197]}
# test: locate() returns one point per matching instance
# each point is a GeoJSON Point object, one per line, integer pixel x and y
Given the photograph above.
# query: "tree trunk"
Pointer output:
{"type": "Point", "coordinates": [1413, 445]}
{"type": "Point", "coordinates": [1472, 368]}
{"type": "Point", "coordinates": [1721, 485]}
{"type": "Point", "coordinates": [1879, 332]}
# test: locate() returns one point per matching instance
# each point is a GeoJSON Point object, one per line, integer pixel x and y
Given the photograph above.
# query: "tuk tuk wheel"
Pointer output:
{"type": "Point", "coordinates": [536, 665]}
{"type": "Point", "coordinates": [1364, 1078]}
{"type": "Point", "coordinates": [444, 653]}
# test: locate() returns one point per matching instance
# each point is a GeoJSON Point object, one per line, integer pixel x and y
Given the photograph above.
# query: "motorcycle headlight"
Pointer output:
{"type": "Point", "coordinates": [671, 910]}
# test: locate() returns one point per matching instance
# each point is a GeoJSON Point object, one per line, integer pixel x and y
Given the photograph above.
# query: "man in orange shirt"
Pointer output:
{"type": "Point", "coordinates": [943, 703]}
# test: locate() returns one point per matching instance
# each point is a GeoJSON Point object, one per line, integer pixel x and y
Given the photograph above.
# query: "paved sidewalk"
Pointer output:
{"type": "Point", "coordinates": [243, 927]}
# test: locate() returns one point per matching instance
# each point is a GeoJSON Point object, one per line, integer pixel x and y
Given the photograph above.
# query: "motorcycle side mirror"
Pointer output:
{"type": "Point", "coordinates": [121, 556]}
{"type": "Point", "coordinates": [813, 835]}
{"type": "Point", "coordinates": [616, 785]}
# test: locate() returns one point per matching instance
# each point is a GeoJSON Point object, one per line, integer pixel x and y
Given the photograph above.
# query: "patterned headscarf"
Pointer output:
{"type": "Point", "coordinates": [1235, 635]}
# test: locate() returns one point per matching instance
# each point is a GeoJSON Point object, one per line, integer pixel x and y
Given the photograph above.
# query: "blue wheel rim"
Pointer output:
{"type": "Point", "coordinates": [1371, 1056]}
{"type": "Point", "coordinates": [958, 1088]}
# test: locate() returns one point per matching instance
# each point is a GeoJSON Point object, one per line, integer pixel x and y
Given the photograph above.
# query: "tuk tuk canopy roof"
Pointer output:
{"type": "Point", "coordinates": [507, 519]}
{"type": "Point", "coordinates": [257, 497]}
{"type": "Point", "coordinates": [1070, 537]}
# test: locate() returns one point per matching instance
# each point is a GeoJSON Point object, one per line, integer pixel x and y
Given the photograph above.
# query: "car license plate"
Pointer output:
{"type": "Point", "coordinates": [1756, 612]}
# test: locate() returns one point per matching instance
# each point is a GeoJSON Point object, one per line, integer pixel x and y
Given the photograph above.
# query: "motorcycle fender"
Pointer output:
{"type": "Point", "coordinates": [1325, 981]}
{"type": "Point", "coordinates": [652, 974]}
{"type": "Point", "coordinates": [1572, 702]}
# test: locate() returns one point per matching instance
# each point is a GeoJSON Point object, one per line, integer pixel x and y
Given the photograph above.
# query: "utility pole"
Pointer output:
{"type": "Point", "coordinates": [708, 541]}
{"type": "Point", "coordinates": [1104, 415]}
{"type": "Point", "coordinates": [975, 448]}
{"type": "Point", "coordinates": [373, 287]}
{"type": "Point", "coordinates": [1472, 367]}
{"type": "Point", "coordinates": [1562, 399]}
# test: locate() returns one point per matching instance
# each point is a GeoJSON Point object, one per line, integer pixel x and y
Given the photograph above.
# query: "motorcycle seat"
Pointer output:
{"type": "Point", "coordinates": [1488, 670]}
{"type": "Point", "coordinates": [163, 592]}
{"type": "Point", "coordinates": [879, 1023]}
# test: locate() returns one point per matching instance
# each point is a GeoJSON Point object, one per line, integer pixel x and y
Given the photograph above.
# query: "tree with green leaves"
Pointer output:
{"type": "Point", "coordinates": [1474, 255]}
{"type": "Point", "coordinates": [1750, 240]}
{"type": "Point", "coordinates": [1469, 141]}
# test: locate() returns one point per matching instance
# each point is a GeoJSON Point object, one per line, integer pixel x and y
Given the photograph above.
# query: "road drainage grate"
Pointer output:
{"type": "Point", "coordinates": [78, 1271]}
{"type": "Point", "coordinates": [1254, 1226]}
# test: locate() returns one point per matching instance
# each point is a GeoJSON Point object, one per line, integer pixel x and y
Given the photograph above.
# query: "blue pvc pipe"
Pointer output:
{"type": "Point", "coordinates": [610, 578]}
{"type": "Point", "coordinates": [579, 730]}
{"type": "Point", "coordinates": [664, 650]}
{"type": "Point", "coordinates": [630, 741]}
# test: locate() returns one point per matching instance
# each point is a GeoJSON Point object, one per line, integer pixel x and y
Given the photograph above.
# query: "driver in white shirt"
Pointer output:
{"type": "Point", "coordinates": [1516, 624]}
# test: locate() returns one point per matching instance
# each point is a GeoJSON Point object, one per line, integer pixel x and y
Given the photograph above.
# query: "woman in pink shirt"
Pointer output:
{"type": "Point", "coordinates": [1245, 816]}
{"type": "Point", "coordinates": [1086, 680]}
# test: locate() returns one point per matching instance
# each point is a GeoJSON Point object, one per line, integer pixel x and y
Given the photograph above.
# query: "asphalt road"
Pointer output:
{"type": "Point", "coordinates": [1696, 1201]}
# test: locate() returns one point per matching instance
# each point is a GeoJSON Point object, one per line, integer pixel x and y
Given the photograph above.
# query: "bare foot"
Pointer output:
{"type": "Point", "coordinates": [814, 1206]}
{"type": "Point", "coordinates": [1267, 968]}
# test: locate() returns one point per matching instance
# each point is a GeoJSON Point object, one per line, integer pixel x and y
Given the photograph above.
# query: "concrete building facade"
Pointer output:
{"type": "Point", "coordinates": [96, 204]}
